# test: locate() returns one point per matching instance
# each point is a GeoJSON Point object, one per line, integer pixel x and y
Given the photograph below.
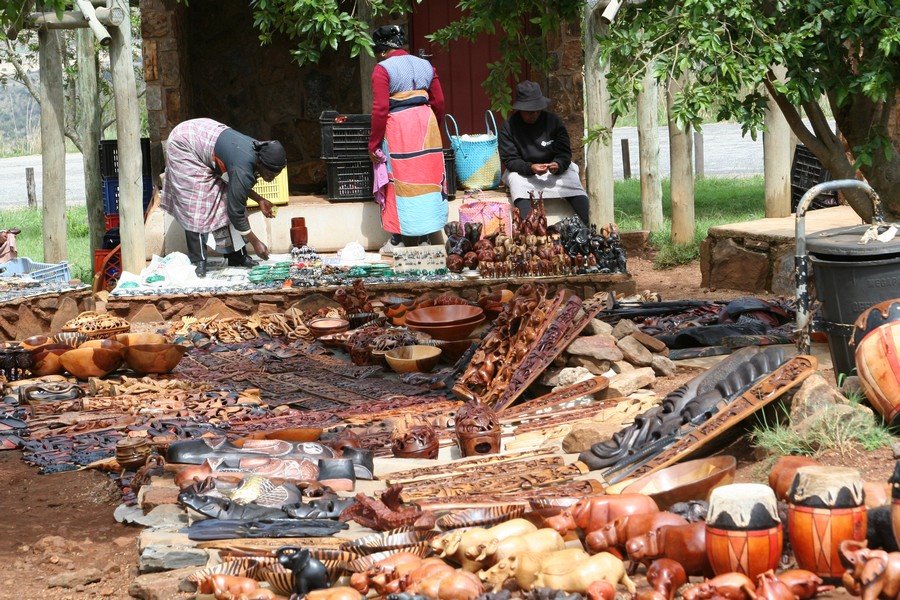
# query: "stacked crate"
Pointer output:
{"type": "Point", "coordinates": [345, 149]}
{"type": "Point", "coordinates": [807, 171]}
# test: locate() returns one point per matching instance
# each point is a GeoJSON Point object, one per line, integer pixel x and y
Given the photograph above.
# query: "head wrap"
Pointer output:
{"type": "Point", "coordinates": [271, 155]}
{"type": "Point", "coordinates": [387, 37]}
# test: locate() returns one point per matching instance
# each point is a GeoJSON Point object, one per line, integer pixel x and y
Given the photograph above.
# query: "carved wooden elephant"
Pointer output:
{"type": "Point", "coordinates": [525, 567]}
{"type": "Point", "coordinates": [618, 532]}
{"type": "Point", "coordinates": [871, 574]}
{"type": "Point", "coordinates": [683, 543]}
{"type": "Point", "coordinates": [593, 512]}
{"type": "Point", "coordinates": [542, 540]}
{"type": "Point", "coordinates": [728, 586]}
{"type": "Point", "coordinates": [578, 576]}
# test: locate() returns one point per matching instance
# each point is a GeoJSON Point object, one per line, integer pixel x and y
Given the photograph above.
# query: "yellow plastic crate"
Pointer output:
{"type": "Point", "coordinates": [275, 192]}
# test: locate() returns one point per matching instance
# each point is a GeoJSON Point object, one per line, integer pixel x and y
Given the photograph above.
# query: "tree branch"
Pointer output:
{"type": "Point", "coordinates": [820, 124]}
{"type": "Point", "coordinates": [793, 118]}
{"type": "Point", "coordinates": [21, 74]}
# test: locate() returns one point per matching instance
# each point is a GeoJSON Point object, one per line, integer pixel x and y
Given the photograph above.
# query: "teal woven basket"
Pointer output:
{"type": "Point", "coordinates": [477, 156]}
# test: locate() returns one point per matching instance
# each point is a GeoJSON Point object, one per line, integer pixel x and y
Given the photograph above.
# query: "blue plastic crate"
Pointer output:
{"type": "Point", "coordinates": [111, 194]}
{"type": "Point", "coordinates": [46, 272]}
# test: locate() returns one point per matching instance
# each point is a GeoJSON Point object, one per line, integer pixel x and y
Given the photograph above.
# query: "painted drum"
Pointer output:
{"type": "Point", "coordinates": [874, 317]}
{"type": "Point", "coordinates": [878, 367]}
{"type": "Point", "coordinates": [743, 531]}
{"type": "Point", "coordinates": [826, 506]}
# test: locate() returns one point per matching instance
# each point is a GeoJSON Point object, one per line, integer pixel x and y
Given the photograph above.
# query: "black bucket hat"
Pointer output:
{"type": "Point", "coordinates": [529, 97]}
{"type": "Point", "coordinates": [388, 37]}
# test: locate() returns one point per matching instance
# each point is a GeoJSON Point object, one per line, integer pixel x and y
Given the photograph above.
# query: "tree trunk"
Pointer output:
{"type": "Point", "coordinates": [682, 178]}
{"type": "Point", "coordinates": [366, 62]}
{"type": "Point", "coordinates": [648, 142]}
{"type": "Point", "coordinates": [598, 154]}
{"type": "Point", "coordinates": [131, 184]}
{"type": "Point", "coordinates": [53, 147]}
{"type": "Point", "coordinates": [777, 158]}
{"type": "Point", "coordinates": [89, 103]}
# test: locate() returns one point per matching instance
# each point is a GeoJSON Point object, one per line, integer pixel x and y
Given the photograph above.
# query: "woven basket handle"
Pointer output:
{"type": "Point", "coordinates": [448, 118]}
{"type": "Point", "coordinates": [487, 126]}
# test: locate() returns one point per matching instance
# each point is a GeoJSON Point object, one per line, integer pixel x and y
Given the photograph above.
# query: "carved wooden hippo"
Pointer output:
{"type": "Point", "coordinates": [232, 586]}
{"type": "Point", "coordinates": [769, 587]}
{"type": "Point", "coordinates": [601, 590]}
{"type": "Point", "coordinates": [593, 512]}
{"type": "Point", "coordinates": [389, 569]}
{"type": "Point", "coordinates": [728, 586]}
{"type": "Point", "coordinates": [336, 593]}
{"type": "Point", "coordinates": [618, 532]}
{"type": "Point", "coordinates": [804, 584]}
{"type": "Point", "coordinates": [665, 576]}
{"type": "Point", "coordinates": [683, 543]}
{"type": "Point", "coordinates": [578, 577]}
{"type": "Point", "coordinates": [524, 567]}
{"type": "Point", "coordinates": [542, 540]}
{"type": "Point", "coordinates": [463, 546]}
{"type": "Point", "coordinates": [447, 584]}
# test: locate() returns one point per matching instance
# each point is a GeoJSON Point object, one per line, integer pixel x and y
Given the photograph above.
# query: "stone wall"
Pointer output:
{"type": "Point", "coordinates": [744, 263]}
{"type": "Point", "coordinates": [565, 83]}
{"type": "Point", "coordinates": [25, 317]}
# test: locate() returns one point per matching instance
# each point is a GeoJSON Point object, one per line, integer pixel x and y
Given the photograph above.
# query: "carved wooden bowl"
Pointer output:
{"type": "Point", "coordinates": [363, 563]}
{"type": "Point", "coordinates": [140, 339]}
{"type": "Point", "coordinates": [452, 350]}
{"type": "Point", "coordinates": [282, 580]}
{"type": "Point", "coordinates": [481, 517]}
{"type": "Point", "coordinates": [328, 326]}
{"type": "Point", "coordinates": [393, 301]}
{"type": "Point", "coordinates": [72, 339]}
{"type": "Point", "coordinates": [692, 480]}
{"type": "Point", "coordinates": [46, 359]}
{"type": "Point", "coordinates": [389, 540]}
{"type": "Point", "coordinates": [108, 344]}
{"type": "Point", "coordinates": [444, 315]}
{"type": "Point", "coordinates": [36, 341]}
{"type": "Point", "coordinates": [84, 363]}
{"type": "Point", "coordinates": [450, 333]}
{"type": "Point", "coordinates": [549, 507]}
{"type": "Point", "coordinates": [154, 358]}
{"type": "Point", "coordinates": [413, 359]}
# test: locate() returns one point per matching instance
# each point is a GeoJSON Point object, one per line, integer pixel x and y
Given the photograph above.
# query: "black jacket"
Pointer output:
{"type": "Point", "coordinates": [522, 145]}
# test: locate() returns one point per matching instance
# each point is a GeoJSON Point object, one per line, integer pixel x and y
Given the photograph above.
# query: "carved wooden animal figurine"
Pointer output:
{"type": "Point", "coordinates": [309, 573]}
{"type": "Point", "coordinates": [452, 584]}
{"type": "Point", "coordinates": [871, 574]}
{"type": "Point", "coordinates": [593, 512]}
{"type": "Point", "coordinates": [769, 587]}
{"type": "Point", "coordinates": [615, 534]}
{"type": "Point", "coordinates": [683, 543]}
{"type": "Point", "coordinates": [577, 577]}
{"type": "Point", "coordinates": [384, 571]}
{"type": "Point", "coordinates": [804, 584]}
{"type": "Point", "coordinates": [463, 546]}
{"type": "Point", "coordinates": [601, 590]}
{"type": "Point", "coordinates": [524, 567]}
{"type": "Point", "coordinates": [542, 540]}
{"type": "Point", "coordinates": [232, 587]}
{"type": "Point", "coordinates": [730, 586]}
{"type": "Point", "coordinates": [665, 576]}
{"type": "Point", "coordinates": [336, 593]}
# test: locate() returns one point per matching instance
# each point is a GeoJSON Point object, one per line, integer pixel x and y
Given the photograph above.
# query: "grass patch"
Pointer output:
{"type": "Point", "coordinates": [31, 241]}
{"type": "Point", "coordinates": [717, 201]}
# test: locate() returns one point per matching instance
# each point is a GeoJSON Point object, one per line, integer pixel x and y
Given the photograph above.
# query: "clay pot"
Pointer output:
{"type": "Point", "coordinates": [46, 359]}
{"type": "Point", "coordinates": [84, 363]}
{"type": "Point", "coordinates": [692, 480]}
{"type": "Point", "coordinates": [451, 314]}
{"type": "Point", "coordinates": [154, 358]}
{"type": "Point", "coordinates": [328, 326]}
{"type": "Point", "coordinates": [413, 359]}
{"type": "Point", "coordinates": [879, 369]}
{"type": "Point", "coordinates": [140, 339]}
{"type": "Point", "coordinates": [743, 531]}
{"type": "Point", "coordinates": [132, 453]}
{"type": "Point", "coordinates": [299, 236]}
{"type": "Point", "coordinates": [825, 507]}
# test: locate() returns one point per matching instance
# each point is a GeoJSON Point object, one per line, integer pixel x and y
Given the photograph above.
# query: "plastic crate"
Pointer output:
{"type": "Point", "coordinates": [46, 272]}
{"type": "Point", "coordinates": [112, 222]}
{"type": "Point", "coordinates": [345, 136]}
{"type": "Point", "coordinates": [111, 195]}
{"type": "Point", "coordinates": [807, 171]}
{"type": "Point", "coordinates": [350, 179]}
{"type": "Point", "coordinates": [275, 191]}
{"type": "Point", "coordinates": [109, 158]}
{"type": "Point", "coordinates": [113, 269]}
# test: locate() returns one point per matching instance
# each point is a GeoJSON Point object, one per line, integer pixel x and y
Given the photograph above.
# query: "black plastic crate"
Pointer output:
{"type": "Point", "coordinates": [350, 179]}
{"type": "Point", "coordinates": [345, 136]}
{"type": "Point", "coordinates": [807, 171]}
{"type": "Point", "coordinates": [109, 158]}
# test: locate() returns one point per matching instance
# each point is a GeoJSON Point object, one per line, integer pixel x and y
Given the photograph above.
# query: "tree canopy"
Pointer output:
{"type": "Point", "coordinates": [845, 50]}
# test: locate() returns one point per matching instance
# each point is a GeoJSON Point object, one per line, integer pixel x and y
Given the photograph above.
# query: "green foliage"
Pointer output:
{"type": "Point", "coordinates": [31, 242]}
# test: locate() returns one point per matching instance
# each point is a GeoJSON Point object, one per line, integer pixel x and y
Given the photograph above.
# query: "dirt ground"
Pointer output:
{"type": "Point", "coordinates": [59, 529]}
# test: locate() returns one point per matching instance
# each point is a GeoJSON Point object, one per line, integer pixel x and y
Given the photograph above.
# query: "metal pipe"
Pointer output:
{"type": "Point", "coordinates": [801, 260]}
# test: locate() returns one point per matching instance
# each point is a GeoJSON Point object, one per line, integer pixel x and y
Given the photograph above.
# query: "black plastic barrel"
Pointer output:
{"type": "Point", "coordinates": [850, 277]}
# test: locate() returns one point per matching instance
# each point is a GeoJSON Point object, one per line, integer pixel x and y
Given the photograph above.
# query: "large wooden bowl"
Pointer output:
{"type": "Point", "coordinates": [450, 333]}
{"type": "Point", "coordinates": [73, 339]}
{"type": "Point", "coordinates": [140, 339]}
{"type": "Point", "coordinates": [692, 480]}
{"type": "Point", "coordinates": [36, 341]}
{"type": "Point", "coordinates": [328, 326]}
{"type": "Point", "coordinates": [413, 359]}
{"type": "Point", "coordinates": [84, 363]}
{"type": "Point", "coordinates": [445, 315]}
{"type": "Point", "coordinates": [154, 358]}
{"type": "Point", "coordinates": [46, 359]}
{"type": "Point", "coordinates": [109, 344]}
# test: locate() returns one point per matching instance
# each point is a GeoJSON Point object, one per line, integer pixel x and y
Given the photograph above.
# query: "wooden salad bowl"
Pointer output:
{"type": "Point", "coordinates": [154, 358]}
{"type": "Point", "coordinates": [692, 480]}
{"type": "Point", "coordinates": [85, 363]}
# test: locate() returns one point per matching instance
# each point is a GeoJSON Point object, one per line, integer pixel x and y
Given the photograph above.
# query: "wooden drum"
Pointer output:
{"type": "Point", "coordinates": [743, 531]}
{"type": "Point", "coordinates": [826, 506]}
{"type": "Point", "coordinates": [878, 366]}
